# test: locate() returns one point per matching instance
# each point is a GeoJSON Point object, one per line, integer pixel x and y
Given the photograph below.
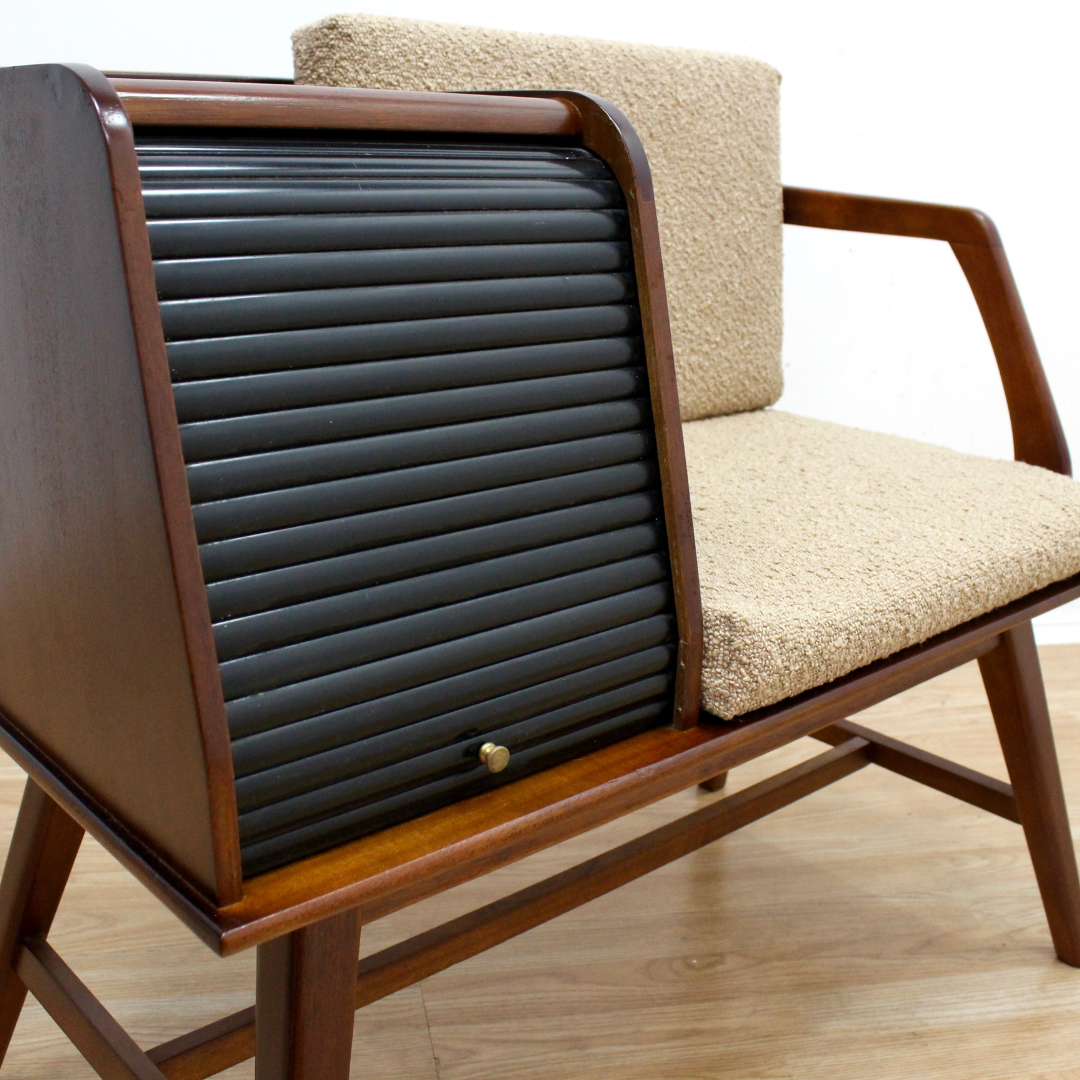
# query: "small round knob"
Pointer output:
{"type": "Point", "coordinates": [496, 758]}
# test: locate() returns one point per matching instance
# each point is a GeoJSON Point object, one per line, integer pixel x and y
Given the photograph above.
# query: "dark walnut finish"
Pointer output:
{"type": "Point", "coordinates": [107, 1047]}
{"type": "Point", "coordinates": [305, 984]}
{"type": "Point", "coordinates": [94, 269]}
{"type": "Point", "coordinates": [39, 861]}
{"type": "Point", "coordinates": [1014, 687]}
{"type": "Point", "coordinates": [100, 633]}
{"type": "Point", "coordinates": [277, 105]}
{"type": "Point", "coordinates": [1038, 437]}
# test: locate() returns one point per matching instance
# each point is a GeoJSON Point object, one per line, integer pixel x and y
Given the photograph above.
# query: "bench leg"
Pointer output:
{"type": "Point", "coordinates": [1014, 687]}
{"type": "Point", "coordinates": [305, 1001]}
{"type": "Point", "coordinates": [715, 783]}
{"type": "Point", "coordinates": [42, 852]}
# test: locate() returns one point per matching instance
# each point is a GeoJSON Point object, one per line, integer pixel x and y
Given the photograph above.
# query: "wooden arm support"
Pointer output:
{"type": "Point", "coordinates": [1038, 438]}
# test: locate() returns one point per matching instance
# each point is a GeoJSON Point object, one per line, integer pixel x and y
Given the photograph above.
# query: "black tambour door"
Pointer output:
{"type": "Point", "coordinates": [415, 415]}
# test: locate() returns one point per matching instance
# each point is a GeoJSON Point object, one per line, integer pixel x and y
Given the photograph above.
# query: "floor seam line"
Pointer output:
{"type": "Point", "coordinates": [427, 1022]}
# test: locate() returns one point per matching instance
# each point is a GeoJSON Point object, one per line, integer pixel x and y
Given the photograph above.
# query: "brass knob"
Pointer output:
{"type": "Point", "coordinates": [496, 758]}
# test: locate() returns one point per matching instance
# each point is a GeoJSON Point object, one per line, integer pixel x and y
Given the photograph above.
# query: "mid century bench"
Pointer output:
{"type": "Point", "coordinates": [346, 543]}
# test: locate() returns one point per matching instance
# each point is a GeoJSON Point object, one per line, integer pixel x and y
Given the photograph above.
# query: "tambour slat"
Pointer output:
{"type": "Point", "coordinates": [440, 530]}
{"type": "Point", "coordinates": [184, 278]}
{"type": "Point", "coordinates": [387, 303]}
{"type": "Point", "coordinates": [173, 200]}
{"type": "Point", "coordinates": [230, 169]}
{"type": "Point", "coordinates": [256, 748]}
{"type": "Point", "coordinates": [263, 510]}
{"type": "Point", "coordinates": [212, 398]}
{"type": "Point", "coordinates": [262, 855]}
{"type": "Point", "coordinates": [351, 686]}
{"type": "Point", "coordinates": [608, 423]}
{"type": "Point", "coordinates": [333, 652]}
{"type": "Point", "coordinates": [312, 162]}
{"type": "Point", "coordinates": [229, 478]}
{"type": "Point", "coordinates": [278, 807]}
{"type": "Point", "coordinates": [254, 146]}
{"type": "Point", "coordinates": [567, 697]}
{"type": "Point", "coordinates": [391, 599]}
{"type": "Point", "coordinates": [290, 585]}
{"type": "Point", "coordinates": [217, 169]}
{"type": "Point", "coordinates": [416, 423]}
{"type": "Point", "coordinates": [210, 439]}
{"type": "Point", "coordinates": [209, 358]}
{"type": "Point", "coordinates": [345, 232]}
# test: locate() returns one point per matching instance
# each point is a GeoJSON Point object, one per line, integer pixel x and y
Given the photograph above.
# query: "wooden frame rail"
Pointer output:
{"type": "Point", "coordinates": [976, 788]}
{"type": "Point", "coordinates": [1038, 437]}
{"type": "Point", "coordinates": [108, 1048]}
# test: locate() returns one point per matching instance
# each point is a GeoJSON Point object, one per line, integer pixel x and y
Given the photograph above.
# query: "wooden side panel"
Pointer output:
{"type": "Point", "coordinates": [93, 661]}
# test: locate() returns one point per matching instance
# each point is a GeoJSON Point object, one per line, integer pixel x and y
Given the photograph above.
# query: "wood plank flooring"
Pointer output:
{"type": "Point", "coordinates": [877, 929]}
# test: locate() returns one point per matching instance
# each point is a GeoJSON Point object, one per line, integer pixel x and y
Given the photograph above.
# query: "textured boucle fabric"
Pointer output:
{"type": "Point", "coordinates": [822, 548]}
{"type": "Point", "coordinates": [710, 126]}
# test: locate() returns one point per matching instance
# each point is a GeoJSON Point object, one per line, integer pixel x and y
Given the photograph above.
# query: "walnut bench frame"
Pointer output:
{"type": "Point", "coordinates": [305, 918]}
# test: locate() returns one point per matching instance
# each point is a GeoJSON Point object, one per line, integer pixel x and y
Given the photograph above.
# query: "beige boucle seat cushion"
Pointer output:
{"type": "Point", "coordinates": [822, 548]}
{"type": "Point", "coordinates": [710, 126]}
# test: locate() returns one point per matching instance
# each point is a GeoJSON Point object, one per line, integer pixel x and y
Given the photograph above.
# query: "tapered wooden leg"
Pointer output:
{"type": "Point", "coordinates": [1014, 687]}
{"type": "Point", "coordinates": [714, 783]}
{"type": "Point", "coordinates": [42, 852]}
{"type": "Point", "coordinates": [305, 1000]}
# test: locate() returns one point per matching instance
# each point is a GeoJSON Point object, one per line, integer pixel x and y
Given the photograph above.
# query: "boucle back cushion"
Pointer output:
{"type": "Point", "coordinates": [710, 126]}
{"type": "Point", "coordinates": [823, 548]}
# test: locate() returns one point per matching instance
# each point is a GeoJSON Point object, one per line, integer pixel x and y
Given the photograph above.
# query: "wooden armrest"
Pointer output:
{"type": "Point", "coordinates": [1038, 438]}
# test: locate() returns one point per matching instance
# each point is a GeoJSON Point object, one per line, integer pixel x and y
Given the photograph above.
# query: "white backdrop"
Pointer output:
{"type": "Point", "coordinates": [942, 101]}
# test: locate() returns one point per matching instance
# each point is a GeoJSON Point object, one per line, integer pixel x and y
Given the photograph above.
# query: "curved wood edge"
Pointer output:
{"type": "Point", "coordinates": [281, 105]}
{"type": "Point", "coordinates": [1038, 437]}
{"type": "Point", "coordinates": [607, 132]}
{"type": "Point", "coordinates": [172, 480]}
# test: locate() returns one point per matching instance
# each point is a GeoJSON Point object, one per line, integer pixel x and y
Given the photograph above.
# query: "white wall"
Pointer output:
{"type": "Point", "coordinates": [948, 102]}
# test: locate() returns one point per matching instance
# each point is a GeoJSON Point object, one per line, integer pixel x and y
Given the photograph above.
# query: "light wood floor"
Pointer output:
{"type": "Point", "coordinates": [875, 930]}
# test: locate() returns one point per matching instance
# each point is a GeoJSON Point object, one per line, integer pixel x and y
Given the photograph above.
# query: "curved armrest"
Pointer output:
{"type": "Point", "coordinates": [1038, 438]}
